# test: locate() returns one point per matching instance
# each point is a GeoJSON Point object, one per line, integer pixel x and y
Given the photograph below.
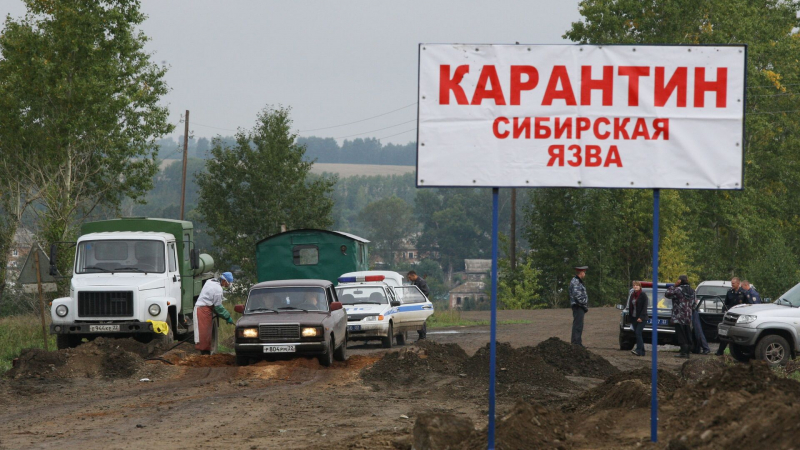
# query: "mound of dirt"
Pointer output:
{"type": "Point", "coordinates": [101, 358]}
{"type": "Point", "coordinates": [522, 365]}
{"type": "Point", "coordinates": [416, 363]}
{"type": "Point", "coordinates": [528, 425]}
{"type": "Point", "coordinates": [699, 369]}
{"type": "Point", "coordinates": [443, 358]}
{"type": "Point", "coordinates": [574, 360]}
{"type": "Point", "coordinates": [744, 406]}
{"type": "Point", "coordinates": [612, 393]}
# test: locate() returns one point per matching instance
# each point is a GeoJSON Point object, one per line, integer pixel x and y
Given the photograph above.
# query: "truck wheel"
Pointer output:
{"type": "Point", "coordinates": [774, 350]}
{"type": "Point", "coordinates": [387, 341]}
{"type": "Point", "coordinates": [401, 338]}
{"type": "Point", "coordinates": [740, 354]}
{"type": "Point", "coordinates": [327, 359]}
{"type": "Point", "coordinates": [341, 353]}
{"type": "Point", "coordinates": [67, 341]}
{"type": "Point", "coordinates": [624, 343]}
{"type": "Point", "coordinates": [242, 360]}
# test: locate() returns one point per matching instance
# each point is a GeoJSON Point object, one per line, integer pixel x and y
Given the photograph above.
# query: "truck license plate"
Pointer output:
{"type": "Point", "coordinates": [279, 349]}
{"type": "Point", "coordinates": [723, 331]}
{"type": "Point", "coordinates": [95, 328]}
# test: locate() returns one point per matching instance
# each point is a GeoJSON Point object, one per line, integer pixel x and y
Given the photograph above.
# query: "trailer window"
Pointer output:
{"type": "Point", "coordinates": [305, 255]}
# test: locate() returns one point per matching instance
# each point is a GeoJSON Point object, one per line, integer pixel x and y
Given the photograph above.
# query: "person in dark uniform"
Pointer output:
{"type": "Point", "coordinates": [579, 302]}
{"type": "Point", "coordinates": [753, 297]}
{"type": "Point", "coordinates": [735, 296]}
{"type": "Point", "coordinates": [419, 282]}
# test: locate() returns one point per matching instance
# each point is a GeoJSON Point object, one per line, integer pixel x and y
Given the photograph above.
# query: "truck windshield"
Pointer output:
{"type": "Point", "coordinates": [120, 256]}
{"type": "Point", "coordinates": [286, 299]}
{"type": "Point", "coordinates": [792, 296]}
{"type": "Point", "coordinates": [361, 294]}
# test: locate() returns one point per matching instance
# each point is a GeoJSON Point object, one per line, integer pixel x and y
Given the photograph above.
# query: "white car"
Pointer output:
{"type": "Point", "coordinates": [380, 307]}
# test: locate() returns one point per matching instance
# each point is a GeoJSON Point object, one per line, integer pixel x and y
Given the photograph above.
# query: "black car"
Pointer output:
{"type": "Point", "coordinates": [666, 331]}
{"type": "Point", "coordinates": [291, 317]}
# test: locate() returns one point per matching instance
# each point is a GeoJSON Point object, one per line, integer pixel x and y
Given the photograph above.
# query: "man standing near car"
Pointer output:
{"type": "Point", "coordinates": [753, 297]}
{"type": "Point", "coordinates": [420, 283]}
{"type": "Point", "coordinates": [699, 343]}
{"type": "Point", "coordinates": [579, 302]}
{"type": "Point", "coordinates": [735, 296]}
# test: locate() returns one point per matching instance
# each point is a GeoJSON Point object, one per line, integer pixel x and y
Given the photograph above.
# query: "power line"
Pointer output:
{"type": "Point", "coordinates": [379, 129]}
{"type": "Point", "coordinates": [398, 134]}
{"type": "Point", "coordinates": [209, 126]}
{"type": "Point", "coordinates": [358, 121]}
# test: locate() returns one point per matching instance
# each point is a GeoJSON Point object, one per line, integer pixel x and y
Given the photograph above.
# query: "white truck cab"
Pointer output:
{"type": "Point", "coordinates": [123, 281]}
{"type": "Point", "coordinates": [379, 306]}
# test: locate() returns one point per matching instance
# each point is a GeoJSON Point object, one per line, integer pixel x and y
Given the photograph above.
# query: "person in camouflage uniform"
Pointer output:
{"type": "Point", "coordinates": [681, 318]}
{"type": "Point", "coordinates": [579, 302]}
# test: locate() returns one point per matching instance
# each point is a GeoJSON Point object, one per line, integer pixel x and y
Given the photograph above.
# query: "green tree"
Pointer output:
{"type": "Point", "coordinates": [252, 188]}
{"type": "Point", "coordinates": [388, 222]}
{"type": "Point", "coordinates": [79, 101]}
{"type": "Point", "coordinates": [713, 234]}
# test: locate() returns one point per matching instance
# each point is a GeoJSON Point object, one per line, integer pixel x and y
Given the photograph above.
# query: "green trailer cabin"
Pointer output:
{"type": "Point", "coordinates": [308, 253]}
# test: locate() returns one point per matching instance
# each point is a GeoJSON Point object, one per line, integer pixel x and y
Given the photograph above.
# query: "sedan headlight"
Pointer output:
{"type": "Point", "coordinates": [372, 318]}
{"type": "Point", "coordinates": [310, 332]}
{"type": "Point", "coordinates": [248, 332]}
{"type": "Point", "coordinates": [745, 319]}
{"type": "Point", "coordinates": [154, 310]}
{"type": "Point", "coordinates": [61, 311]}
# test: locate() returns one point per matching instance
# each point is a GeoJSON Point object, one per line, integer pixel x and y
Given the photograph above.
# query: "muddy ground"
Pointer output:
{"type": "Point", "coordinates": [550, 395]}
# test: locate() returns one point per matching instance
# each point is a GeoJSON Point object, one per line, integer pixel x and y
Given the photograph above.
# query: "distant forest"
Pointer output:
{"type": "Point", "coordinates": [323, 150]}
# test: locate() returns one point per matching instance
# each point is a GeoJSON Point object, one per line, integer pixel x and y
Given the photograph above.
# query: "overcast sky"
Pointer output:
{"type": "Point", "coordinates": [332, 62]}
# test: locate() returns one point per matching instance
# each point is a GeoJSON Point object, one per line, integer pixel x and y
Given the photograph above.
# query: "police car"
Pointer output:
{"type": "Point", "coordinates": [666, 331]}
{"type": "Point", "coordinates": [380, 307]}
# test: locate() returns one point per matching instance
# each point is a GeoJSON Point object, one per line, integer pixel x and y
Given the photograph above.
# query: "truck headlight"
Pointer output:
{"type": "Point", "coordinates": [248, 332]}
{"type": "Point", "coordinates": [745, 319]}
{"type": "Point", "coordinates": [61, 310]}
{"type": "Point", "coordinates": [154, 310]}
{"type": "Point", "coordinates": [310, 332]}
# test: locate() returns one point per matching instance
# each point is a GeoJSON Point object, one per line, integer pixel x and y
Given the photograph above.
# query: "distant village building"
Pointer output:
{"type": "Point", "coordinates": [475, 290]}
{"type": "Point", "coordinates": [477, 269]}
{"type": "Point", "coordinates": [406, 252]}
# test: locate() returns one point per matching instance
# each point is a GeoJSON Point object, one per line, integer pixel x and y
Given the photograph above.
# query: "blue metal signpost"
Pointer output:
{"type": "Point", "coordinates": [654, 366]}
{"type": "Point", "coordinates": [493, 335]}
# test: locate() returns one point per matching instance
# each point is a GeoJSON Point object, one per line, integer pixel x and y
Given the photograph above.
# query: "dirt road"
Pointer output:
{"type": "Point", "coordinates": [208, 402]}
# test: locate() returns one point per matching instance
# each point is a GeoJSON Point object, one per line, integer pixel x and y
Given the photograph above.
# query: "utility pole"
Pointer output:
{"type": "Point", "coordinates": [513, 252]}
{"type": "Point", "coordinates": [185, 157]}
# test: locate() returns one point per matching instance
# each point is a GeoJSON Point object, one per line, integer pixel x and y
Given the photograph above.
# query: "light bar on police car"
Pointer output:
{"type": "Point", "coordinates": [650, 284]}
{"type": "Point", "coordinates": [361, 279]}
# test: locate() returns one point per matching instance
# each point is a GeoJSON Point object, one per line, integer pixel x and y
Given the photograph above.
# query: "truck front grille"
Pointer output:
{"type": "Point", "coordinates": [282, 331]}
{"type": "Point", "coordinates": [105, 304]}
{"type": "Point", "coordinates": [730, 319]}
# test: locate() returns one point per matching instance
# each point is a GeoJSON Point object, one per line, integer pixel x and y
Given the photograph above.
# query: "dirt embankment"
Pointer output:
{"type": "Point", "coordinates": [100, 358]}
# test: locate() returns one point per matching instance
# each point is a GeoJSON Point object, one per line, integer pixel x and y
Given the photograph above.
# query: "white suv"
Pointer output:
{"type": "Point", "coordinates": [767, 331]}
{"type": "Point", "coordinates": [380, 307]}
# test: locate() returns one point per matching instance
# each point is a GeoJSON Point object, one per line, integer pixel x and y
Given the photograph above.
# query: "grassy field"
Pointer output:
{"type": "Point", "coordinates": [18, 332]}
{"type": "Point", "coordinates": [452, 318]}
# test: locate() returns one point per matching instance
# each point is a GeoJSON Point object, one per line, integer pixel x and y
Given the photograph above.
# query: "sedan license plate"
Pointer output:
{"type": "Point", "coordinates": [96, 328]}
{"type": "Point", "coordinates": [722, 331]}
{"type": "Point", "coordinates": [279, 349]}
{"type": "Point", "coordinates": [354, 327]}
{"type": "Point", "coordinates": [660, 322]}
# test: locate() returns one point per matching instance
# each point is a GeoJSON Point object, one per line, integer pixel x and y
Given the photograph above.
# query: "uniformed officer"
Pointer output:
{"type": "Point", "coordinates": [579, 302]}
{"type": "Point", "coordinates": [735, 296]}
{"type": "Point", "coordinates": [752, 294]}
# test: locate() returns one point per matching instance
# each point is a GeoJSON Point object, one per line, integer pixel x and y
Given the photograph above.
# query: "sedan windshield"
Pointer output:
{"type": "Point", "coordinates": [282, 299]}
{"type": "Point", "coordinates": [120, 256]}
{"type": "Point", "coordinates": [791, 297]}
{"type": "Point", "coordinates": [663, 302]}
{"type": "Point", "coordinates": [362, 294]}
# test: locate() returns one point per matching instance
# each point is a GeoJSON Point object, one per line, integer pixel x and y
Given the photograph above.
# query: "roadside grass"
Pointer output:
{"type": "Point", "coordinates": [452, 318]}
{"type": "Point", "coordinates": [19, 332]}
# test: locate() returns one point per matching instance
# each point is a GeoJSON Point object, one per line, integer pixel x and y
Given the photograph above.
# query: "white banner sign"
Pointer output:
{"type": "Point", "coordinates": [581, 116]}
